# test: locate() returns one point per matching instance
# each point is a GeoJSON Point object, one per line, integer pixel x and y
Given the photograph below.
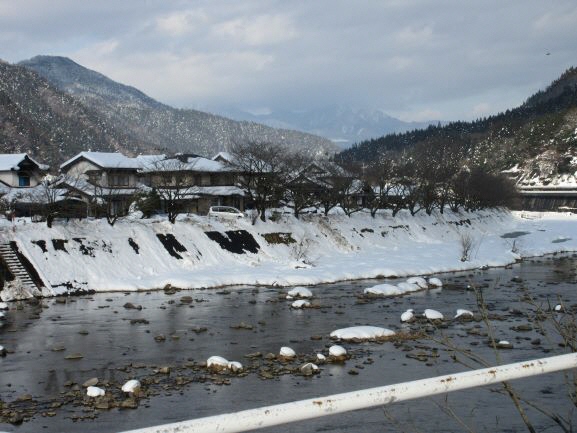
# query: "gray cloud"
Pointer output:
{"type": "Point", "coordinates": [414, 58]}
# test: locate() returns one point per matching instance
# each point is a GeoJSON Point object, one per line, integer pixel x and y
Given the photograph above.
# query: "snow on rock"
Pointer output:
{"type": "Point", "coordinates": [408, 316]}
{"type": "Point", "coordinates": [419, 281]}
{"type": "Point", "coordinates": [287, 352]}
{"type": "Point", "coordinates": [299, 292]}
{"type": "Point", "coordinates": [235, 366]}
{"type": "Point", "coordinates": [504, 344]}
{"type": "Point", "coordinates": [383, 290]}
{"type": "Point", "coordinates": [337, 350]}
{"type": "Point", "coordinates": [131, 386]}
{"type": "Point", "coordinates": [3, 306]}
{"type": "Point", "coordinates": [408, 287]}
{"type": "Point", "coordinates": [559, 308]}
{"type": "Point", "coordinates": [309, 369]}
{"type": "Point", "coordinates": [2, 315]}
{"type": "Point", "coordinates": [361, 333]}
{"type": "Point", "coordinates": [463, 313]}
{"type": "Point", "coordinates": [321, 357]}
{"type": "Point", "coordinates": [217, 362]}
{"type": "Point", "coordinates": [435, 282]}
{"type": "Point", "coordinates": [433, 314]}
{"type": "Point", "coordinates": [2, 351]}
{"type": "Point", "coordinates": [300, 303]}
{"type": "Point", "coordinates": [94, 391]}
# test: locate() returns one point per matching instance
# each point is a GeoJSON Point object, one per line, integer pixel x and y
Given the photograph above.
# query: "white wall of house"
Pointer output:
{"type": "Point", "coordinates": [79, 168]}
{"type": "Point", "coordinates": [106, 177]}
{"type": "Point", "coordinates": [12, 178]}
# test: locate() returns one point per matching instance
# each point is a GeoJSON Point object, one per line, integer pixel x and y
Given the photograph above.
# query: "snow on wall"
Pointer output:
{"type": "Point", "coordinates": [147, 254]}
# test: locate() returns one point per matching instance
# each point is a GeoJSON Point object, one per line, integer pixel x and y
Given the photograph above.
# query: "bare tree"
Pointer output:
{"type": "Point", "coordinates": [261, 165]}
{"type": "Point", "coordinates": [172, 180]}
{"type": "Point", "coordinates": [379, 175]}
{"type": "Point", "coordinates": [301, 183]}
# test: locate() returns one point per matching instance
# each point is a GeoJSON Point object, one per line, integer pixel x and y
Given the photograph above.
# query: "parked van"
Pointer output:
{"type": "Point", "coordinates": [225, 212]}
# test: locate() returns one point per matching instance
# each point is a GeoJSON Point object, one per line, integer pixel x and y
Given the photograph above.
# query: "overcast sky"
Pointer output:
{"type": "Point", "coordinates": [414, 59]}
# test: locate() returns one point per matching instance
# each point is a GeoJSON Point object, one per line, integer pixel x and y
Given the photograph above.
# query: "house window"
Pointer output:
{"type": "Point", "coordinates": [23, 180]}
{"type": "Point", "coordinates": [119, 180]}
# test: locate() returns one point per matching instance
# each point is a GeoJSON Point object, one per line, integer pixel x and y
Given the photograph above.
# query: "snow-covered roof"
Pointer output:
{"type": "Point", "coordinates": [105, 160]}
{"type": "Point", "coordinates": [147, 161]}
{"type": "Point", "coordinates": [192, 163]}
{"type": "Point", "coordinates": [11, 161]}
{"type": "Point", "coordinates": [226, 156]}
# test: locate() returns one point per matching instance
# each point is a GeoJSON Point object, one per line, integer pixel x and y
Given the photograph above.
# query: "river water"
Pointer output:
{"type": "Point", "coordinates": [99, 328]}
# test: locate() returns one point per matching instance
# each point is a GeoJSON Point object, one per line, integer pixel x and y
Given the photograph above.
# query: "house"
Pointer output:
{"type": "Point", "coordinates": [193, 181]}
{"type": "Point", "coordinates": [21, 189]}
{"type": "Point", "coordinates": [105, 181]}
{"type": "Point", "coordinates": [18, 170]}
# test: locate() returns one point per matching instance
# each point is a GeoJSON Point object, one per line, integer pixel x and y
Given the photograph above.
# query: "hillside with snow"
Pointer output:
{"type": "Point", "coordinates": [539, 137]}
{"type": "Point", "coordinates": [155, 126]}
{"type": "Point", "coordinates": [138, 254]}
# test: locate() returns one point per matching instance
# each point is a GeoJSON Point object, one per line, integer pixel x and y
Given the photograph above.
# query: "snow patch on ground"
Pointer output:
{"type": "Point", "coordinates": [131, 256]}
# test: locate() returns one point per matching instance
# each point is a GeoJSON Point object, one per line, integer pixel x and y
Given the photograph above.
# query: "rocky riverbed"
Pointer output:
{"type": "Point", "coordinates": [55, 348]}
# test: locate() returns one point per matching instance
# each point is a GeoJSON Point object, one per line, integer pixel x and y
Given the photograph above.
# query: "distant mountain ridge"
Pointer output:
{"type": "Point", "coordinates": [341, 124]}
{"type": "Point", "coordinates": [539, 137]}
{"type": "Point", "coordinates": [126, 119]}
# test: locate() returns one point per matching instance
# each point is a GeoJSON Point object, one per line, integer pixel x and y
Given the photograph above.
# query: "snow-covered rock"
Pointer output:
{"type": "Point", "coordinates": [504, 344]}
{"type": "Point", "coordinates": [435, 282]}
{"type": "Point", "coordinates": [217, 363]}
{"type": "Point", "coordinates": [309, 369]}
{"type": "Point", "coordinates": [131, 386]}
{"type": "Point", "coordinates": [433, 314]}
{"type": "Point", "coordinates": [2, 351]}
{"type": "Point", "coordinates": [559, 308]}
{"type": "Point", "coordinates": [94, 391]}
{"type": "Point", "coordinates": [408, 287]}
{"type": "Point", "coordinates": [321, 357]}
{"type": "Point", "coordinates": [383, 290]}
{"type": "Point", "coordinates": [361, 333]}
{"type": "Point", "coordinates": [300, 303]}
{"type": "Point", "coordinates": [235, 366]}
{"type": "Point", "coordinates": [337, 350]}
{"type": "Point", "coordinates": [419, 281]}
{"type": "Point", "coordinates": [3, 306]}
{"type": "Point", "coordinates": [408, 316]}
{"type": "Point", "coordinates": [299, 292]}
{"type": "Point", "coordinates": [463, 313]}
{"type": "Point", "coordinates": [287, 352]}
{"type": "Point", "coordinates": [2, 315]}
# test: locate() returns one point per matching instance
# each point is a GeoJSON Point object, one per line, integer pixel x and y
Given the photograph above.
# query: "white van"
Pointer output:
{"type": "Point", "coordinates": [225, 212]}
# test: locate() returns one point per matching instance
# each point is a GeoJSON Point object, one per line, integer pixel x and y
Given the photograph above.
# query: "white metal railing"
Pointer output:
{"type": "Point", "coordinates": [333, 404]}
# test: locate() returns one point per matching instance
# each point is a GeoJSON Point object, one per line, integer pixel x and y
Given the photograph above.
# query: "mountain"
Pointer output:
{"type": "Point", "coordinates": [36, 117]}
{"type": "Point", "coordinates": [341, 124]}
{"type": "Point", "coordinates": [155, 125]}
{"type": "Point", "coordinates": [539, 137]}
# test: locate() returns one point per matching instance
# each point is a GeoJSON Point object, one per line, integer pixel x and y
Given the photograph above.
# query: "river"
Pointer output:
{"type": "Point", "coordinates": [117, 343]}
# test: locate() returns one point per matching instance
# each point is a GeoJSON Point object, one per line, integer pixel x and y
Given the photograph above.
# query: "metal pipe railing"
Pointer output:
{"type": "Point", "coordinates": [333, 404]}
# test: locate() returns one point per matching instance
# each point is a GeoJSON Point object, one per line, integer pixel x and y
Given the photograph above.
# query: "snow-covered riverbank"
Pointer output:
{"type": "Point", "coordinates": [198, 252]}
